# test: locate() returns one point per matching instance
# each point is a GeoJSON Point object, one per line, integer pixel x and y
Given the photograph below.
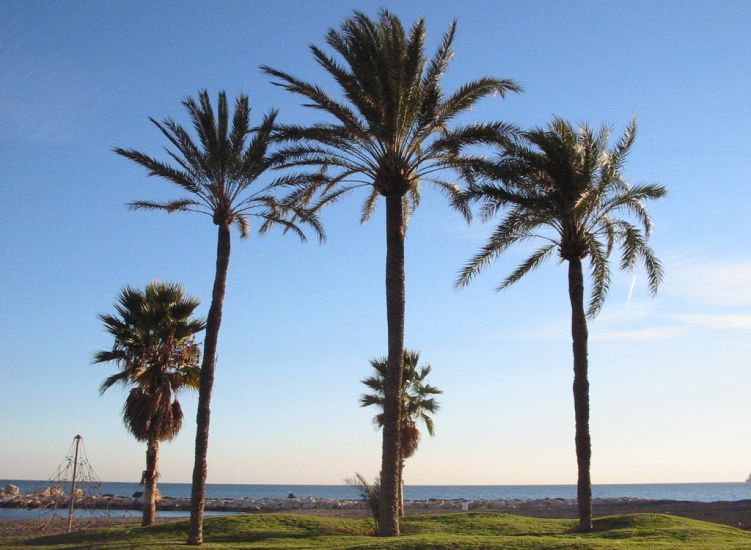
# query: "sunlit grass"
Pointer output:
{"type": "Point", "coordinates": [473, 530]}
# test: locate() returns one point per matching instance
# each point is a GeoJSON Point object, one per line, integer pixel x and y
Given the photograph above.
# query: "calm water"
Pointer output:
{"type": "Point", "coordinates": [705, 492]}
{"type": "Point", "coordinates": [45, 514]}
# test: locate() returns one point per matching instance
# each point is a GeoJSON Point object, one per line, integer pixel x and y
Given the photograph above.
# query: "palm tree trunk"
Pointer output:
{"type": "Point", "coordinates": [388, 524]}
{"type": "Point", "coordinates": [401, 488]}
{"type": "Point", "coordinates": [213, 321]}
{"type": "Point", "coordinates": [149, 482]}
{"type": "Point", "coordinates": [581, 393]}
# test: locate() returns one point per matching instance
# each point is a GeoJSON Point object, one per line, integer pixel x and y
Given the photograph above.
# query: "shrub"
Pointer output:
{"type": "Point", "coordinates": [370, 493]}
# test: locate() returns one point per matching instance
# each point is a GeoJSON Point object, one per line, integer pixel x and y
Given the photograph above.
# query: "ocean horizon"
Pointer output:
{"type": "Point", "coordinates": [700, 492]}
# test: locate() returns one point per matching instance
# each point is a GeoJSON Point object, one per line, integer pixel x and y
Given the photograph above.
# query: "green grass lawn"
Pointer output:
{"type": "Point", "coordinates": [472, 530]}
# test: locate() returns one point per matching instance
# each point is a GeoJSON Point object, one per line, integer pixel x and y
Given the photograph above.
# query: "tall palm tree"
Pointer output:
{"type": "Point", "coordinates": [156, 352]}
{"type": "Point", "coordinates": [418, 404]}
{"type": "Point", "coordinates": [218, 174]}
{"type": "Point", "coordinates": [389, 133]}
{"type": "Point", "coordinates": [565, 187]}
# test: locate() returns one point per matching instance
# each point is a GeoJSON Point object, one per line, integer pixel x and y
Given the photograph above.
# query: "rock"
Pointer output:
{"type": "Point", "coordinates": [291, 495]}
{"type": "Point", "coordinates": [52, 492]}
{"type": "Point", "coordinates": [138, 494]}
{"type": "Point", "coordinates": [11, 490]}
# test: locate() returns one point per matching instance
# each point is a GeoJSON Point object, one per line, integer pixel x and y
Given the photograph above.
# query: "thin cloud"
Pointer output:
{"type": "Point", "coordinates": [631, 290]}
{"type": "Point", "coordinates": [649, 333]}
{"type": "Point", "coordinates": [625, 325]}
{"type": "Point", "coordinates": [709, 293]}
{"type": "Point", "coordinates": [617, 323]}
{"type": "Point", "coordinates": [712, 282]}
{"type": "Point", "coordinates": [716, 322]}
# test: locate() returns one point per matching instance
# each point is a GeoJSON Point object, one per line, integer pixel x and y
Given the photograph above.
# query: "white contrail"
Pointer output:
{"type": "Point", "coordinates": [631, 290]}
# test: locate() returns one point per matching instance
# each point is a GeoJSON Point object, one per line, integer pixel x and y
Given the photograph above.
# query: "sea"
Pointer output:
{"type": "Point", "coordinates": [702, 492]}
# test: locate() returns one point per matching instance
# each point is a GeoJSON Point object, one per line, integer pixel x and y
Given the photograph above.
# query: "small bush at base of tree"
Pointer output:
{"type": "Point", "coordinates": [370, 493]}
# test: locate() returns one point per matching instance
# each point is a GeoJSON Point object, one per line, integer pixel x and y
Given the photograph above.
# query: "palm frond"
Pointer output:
{"type": "Point", "coordinates": [242, 224]}
{"type": "Point", "coordinates": [369, 205]}
{"type": "Point", "coordinates": [121, 377]}
{"type": "Point", "coordinates": [512, 230]}
{"type": "Point", "coordinates": [653, 266]}
{"type": "Point", "coordinates": [470, 93]}
{"type": "Point", "coordinates": [158, 168]}
{"type": "Point", "coordinates": [156, 355]}
{"type": "Point", "coordinates": [563, 185]}
{"type": "Point", "coordinates": [600, 275]}
{"type": "Point", "coordinates": [418, 402]}
{"type": "Point", "coordinates": [390, 127]}
{"type": "Point", "coordinates": [178, 205]}
{"type": "Point", "coordinates": [317, 96]}
{"type": "Point", "coordinates": [530, 264]}
{"type": "Point", "coordinates": [221, 166]}
{"type": "Point", "coordinates": [454, 141]}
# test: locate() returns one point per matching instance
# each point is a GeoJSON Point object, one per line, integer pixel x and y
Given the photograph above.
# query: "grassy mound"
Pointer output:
{"type": "Point", "coordinates": [472, 530]}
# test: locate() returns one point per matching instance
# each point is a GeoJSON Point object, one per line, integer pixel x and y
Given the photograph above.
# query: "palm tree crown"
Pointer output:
{"type": "Point", "coordinates": [392, 132]}
{"type": "Point", "coordinates": [155, 349]}
{"type": "Point", "coordinates": [418, 398]}
{"type": "Point", "coordinates": [565, 187]}
{"type": "Point", "coordinates": [218, 171]}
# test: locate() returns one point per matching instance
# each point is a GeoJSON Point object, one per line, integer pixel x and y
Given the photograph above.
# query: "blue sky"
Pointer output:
{"type": "Point", "coordinates": [670, 376]}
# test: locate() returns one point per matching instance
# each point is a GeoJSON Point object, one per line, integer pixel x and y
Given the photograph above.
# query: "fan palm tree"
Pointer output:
{"type": "Point", "coordinates": [565, 187]}
{"type": "Point", "coordinates": [156, 352]}
{"type": "Point", "coordinates": [218, 175]}
{"type": "Point", "coordinates": [418, 404]}
{"type": "Point", "coordinates": [389, 133]}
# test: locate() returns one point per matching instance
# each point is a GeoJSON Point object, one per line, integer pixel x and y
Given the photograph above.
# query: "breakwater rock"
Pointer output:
{"type": "Point", "coordinates": [112, 502]}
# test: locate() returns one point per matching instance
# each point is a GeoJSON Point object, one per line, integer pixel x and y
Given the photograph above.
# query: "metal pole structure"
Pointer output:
{"type": "Point", "coordinates": [73, 484]}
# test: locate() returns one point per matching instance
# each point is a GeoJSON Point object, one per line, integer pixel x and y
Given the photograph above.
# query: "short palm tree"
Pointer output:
{"type": "Point", "coordinates": [389, 133]}
{"type": "Point", "coordinates": [418, 404]}
{"type": "Point", "coordinates": [219, 175]}
{"type": "Point", "coordinates": [156, 352]}
{"type": "Point", "coordinates": [565, 187]}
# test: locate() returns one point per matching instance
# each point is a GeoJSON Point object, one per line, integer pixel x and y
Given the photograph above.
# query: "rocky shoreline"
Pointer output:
{"type": "Point", "coordinates": [113, 502]}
